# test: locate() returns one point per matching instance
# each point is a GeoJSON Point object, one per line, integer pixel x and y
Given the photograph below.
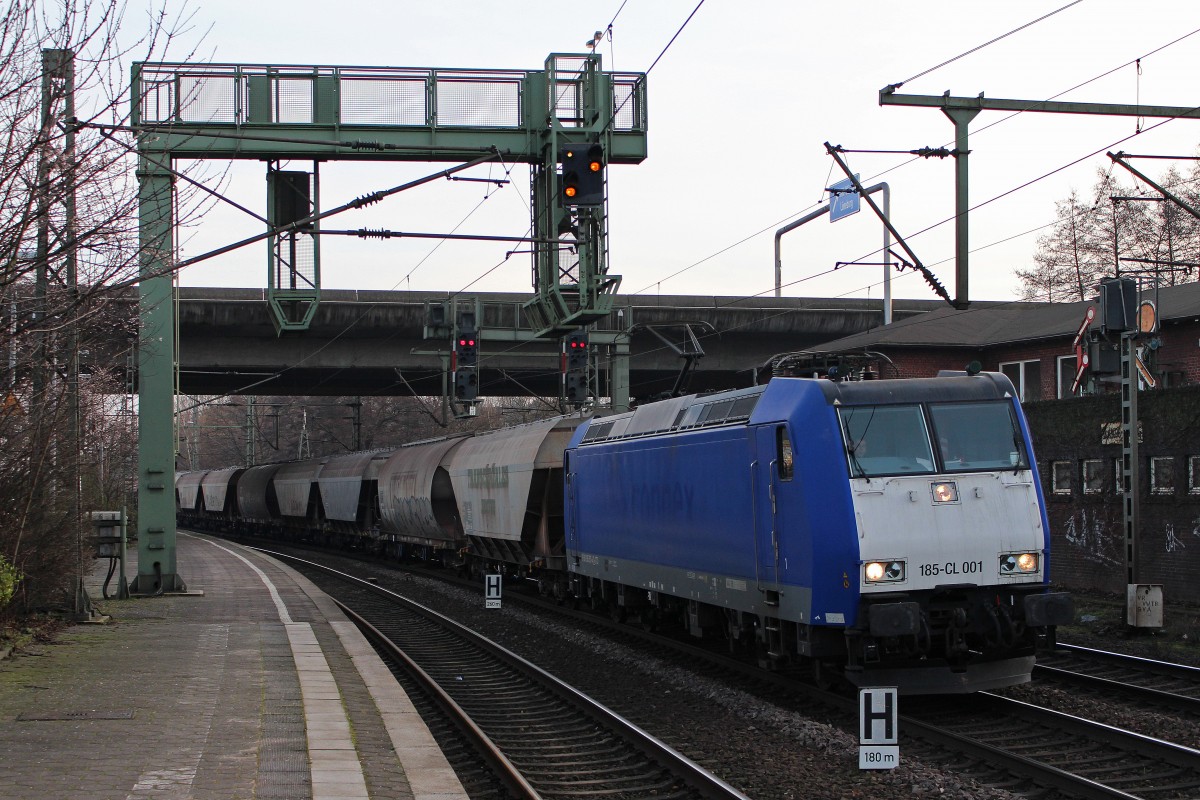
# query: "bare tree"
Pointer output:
{"type": "Point", "coordinates": [1122, 228]}
{"type": "Point", "coordinates": [68, 253]}
{"type": "Point", "coordinates": [214, 431]}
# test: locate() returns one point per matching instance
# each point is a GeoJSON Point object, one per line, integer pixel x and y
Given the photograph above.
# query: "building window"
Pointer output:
{"type": "Point", "coordinates": [1027, 377]}
{"type": "Point", "coordinates": [1060, 476]}
{"type": "Point", "coordinates": [1162, 475]}
{"type": "Point", "coordinates": [1193, 474]}
{"type": "Point", "coordinates": [1093, 476]}
{"type": "Point", "coordinates": [1067, 367]}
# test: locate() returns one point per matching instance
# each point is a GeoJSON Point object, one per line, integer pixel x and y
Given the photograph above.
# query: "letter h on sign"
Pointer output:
{"type": "Point", "coordinates": [878, 721]}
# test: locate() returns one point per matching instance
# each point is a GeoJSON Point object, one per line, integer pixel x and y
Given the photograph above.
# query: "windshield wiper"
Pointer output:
{"type": "Point", "coordinates": [852, 451]}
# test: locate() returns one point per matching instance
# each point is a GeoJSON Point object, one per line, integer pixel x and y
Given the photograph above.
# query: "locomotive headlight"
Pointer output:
{"type": "Point", "coordinates": [944, 492]}
{"type": "Point", "coordinates": [884, 571]}
{"type": "Point", "coordinates": [1016, 563]}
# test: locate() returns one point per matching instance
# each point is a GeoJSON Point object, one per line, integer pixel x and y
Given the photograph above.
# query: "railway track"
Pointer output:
{"type": "Point", "coordinates": [996, 740]}
{"type": "Point", "coordinates": [1017, 745]}
{"type": "Point", "coordinates": [991, 739]}
{"type": "Point", "coordinates": [1076, 756]}
{"type": "Point", "coordinates": [543, 738]}
{"type": "Point", "coordinates": [1175, 687]}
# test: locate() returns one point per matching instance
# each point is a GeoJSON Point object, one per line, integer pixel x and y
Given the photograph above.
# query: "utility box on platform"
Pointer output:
{"type": "Point", "coordinates": [1144, 605]}
{"type": "Point", "coordinates": [106, 534]}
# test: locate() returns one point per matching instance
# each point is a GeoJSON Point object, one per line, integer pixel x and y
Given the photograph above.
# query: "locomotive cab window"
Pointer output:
{"type": "Point", "coordinates": [978, 436]}
{"type": "Point", "coordinates": [783, 455]}
{"type": "Point", "coordinates": [886, 440]}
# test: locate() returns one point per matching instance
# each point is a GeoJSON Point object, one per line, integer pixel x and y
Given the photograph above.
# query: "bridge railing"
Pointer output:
{"type": "Point", "coordinates": [258, 94]}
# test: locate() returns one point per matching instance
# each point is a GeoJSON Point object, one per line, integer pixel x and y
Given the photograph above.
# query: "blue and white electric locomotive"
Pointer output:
{"type": "Point", "coordinates": [893, 531]}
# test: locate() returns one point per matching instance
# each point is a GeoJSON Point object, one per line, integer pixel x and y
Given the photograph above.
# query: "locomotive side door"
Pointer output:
{"type": "Point", "coordinates": [771, 467]}
{"type": "Point", "coordinates": [570, 511]}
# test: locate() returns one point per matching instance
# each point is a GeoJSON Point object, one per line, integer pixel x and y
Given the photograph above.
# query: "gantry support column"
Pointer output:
{"type": "Point", "coordinates": [961, 117]}
{"type": "Point", "coordinates": [156, 386]}
{"type": "Point", "coordinates": [961, 110]}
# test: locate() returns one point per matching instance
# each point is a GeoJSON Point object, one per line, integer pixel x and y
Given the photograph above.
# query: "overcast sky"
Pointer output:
{"type": "Point", "coordinates": [739, 108]}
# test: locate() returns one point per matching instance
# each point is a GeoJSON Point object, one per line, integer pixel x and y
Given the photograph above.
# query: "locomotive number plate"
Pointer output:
{"type": "Point", "coordinates": [951, 568]}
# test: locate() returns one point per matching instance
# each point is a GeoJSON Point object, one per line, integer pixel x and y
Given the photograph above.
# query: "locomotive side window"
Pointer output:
{"type": "Point", "coordinates": [783, 455]}
{"type": "Point", "coordinates": [886, 440]}
{"type": "Point", "coordinates": [978, 436]}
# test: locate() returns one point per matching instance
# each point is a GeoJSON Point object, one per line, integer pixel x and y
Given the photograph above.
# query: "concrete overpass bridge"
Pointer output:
{"type": "Point", "coordinates": [373, 342]}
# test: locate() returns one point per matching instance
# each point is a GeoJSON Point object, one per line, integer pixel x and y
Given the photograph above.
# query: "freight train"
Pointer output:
{"type": "Point", "coordinates": [888, 532]}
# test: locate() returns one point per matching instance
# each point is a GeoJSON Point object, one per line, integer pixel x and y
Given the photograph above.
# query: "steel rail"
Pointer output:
{"type": "Point", "coordinates": [704, 783]}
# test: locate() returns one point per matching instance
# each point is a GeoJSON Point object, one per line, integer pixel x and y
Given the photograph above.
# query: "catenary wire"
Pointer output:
{"type": "Point", "coordinates": [906, 162]}
{"type": "Point", "coordinates": [770, 227]}
{"type": "Point", "coordinates": [986, 44]}
{"type": "Point", "coordinates": [829, 271]}
{"type": "Point", "coordinates": [673, 38]}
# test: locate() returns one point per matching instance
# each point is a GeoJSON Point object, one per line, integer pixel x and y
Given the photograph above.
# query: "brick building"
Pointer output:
{"type": "Point", "coordinates": [1030, 342]}
{"type": "Point", "coordinates": [1076, 438]}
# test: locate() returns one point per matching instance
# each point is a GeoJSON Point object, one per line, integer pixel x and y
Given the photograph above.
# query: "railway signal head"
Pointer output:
{"type": "Point", "coordinates": [466, 385]}
{"type": "Point", "coordinates": [466, 349]}
{"type": "Point", "coordinates": [575, 360]}
{"type": "Point", "coordinates": [466, 362]}
{"type": "Point", "coordinates": [582, 174]}
{"type": "Point", "coordinates": [575, 345]}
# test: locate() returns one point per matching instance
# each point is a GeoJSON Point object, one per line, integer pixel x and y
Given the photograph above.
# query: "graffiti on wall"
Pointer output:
{"type": "Point", "coordinates": [1089, 531]}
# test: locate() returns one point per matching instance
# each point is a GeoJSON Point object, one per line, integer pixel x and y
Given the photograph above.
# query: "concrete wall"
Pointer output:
{"type": "Point", "coordinates": [1087, 530]}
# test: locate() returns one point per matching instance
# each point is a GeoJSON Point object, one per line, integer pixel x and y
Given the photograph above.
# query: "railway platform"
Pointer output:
{"type": "Point", "coordinates": [253, 685]}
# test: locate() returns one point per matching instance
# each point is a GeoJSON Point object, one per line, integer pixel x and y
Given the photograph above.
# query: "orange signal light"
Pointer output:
{"type": "Point", "coordinates": [570, 191]}
{"type": "Point", "coordinates": [594, 166]}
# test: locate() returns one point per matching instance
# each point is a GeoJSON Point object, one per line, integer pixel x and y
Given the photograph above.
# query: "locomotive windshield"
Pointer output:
{"type": "Point", "coordinates": [886, 440]}
{"type": "Point", "coordinates": [938, 437]}
{"type": "Point", "coordinates": [978, 436]}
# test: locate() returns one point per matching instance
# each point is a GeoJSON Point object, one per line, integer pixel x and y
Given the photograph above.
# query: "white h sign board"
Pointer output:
{"type": "Point", "coordinates": [491, 591]}
{"type": "Point", "coordinates": [878, 735]}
